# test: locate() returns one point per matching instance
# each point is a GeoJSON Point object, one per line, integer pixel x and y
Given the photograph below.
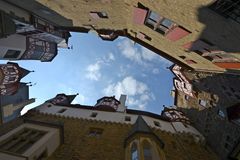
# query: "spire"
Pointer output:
{"type": "Point", "coordinates": [71, 97]}
{"type": "Point", "coordinates": [24, 72]}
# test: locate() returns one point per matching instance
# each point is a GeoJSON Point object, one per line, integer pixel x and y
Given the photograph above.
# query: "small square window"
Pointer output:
{"type": "Point", "coordinates": [12, 54]}
{"type": "Point", "coordinates": [127, 118]}
{"type": "Point", "coordinates": [95, 132]}
{"type": "Point", "coordinates": [203, 102]}
{"type": "Point", "coordinates": [183, 57]}
{"type": "Point", "coordinates": [221, 113]}
{"type": "Point", "coordinates": [94, 114]}
{"type": "Point", "coordinates": [186, 97]}
{"type": "Point", "coordinates": [62, 110]}
{"type": "Point", "coordinates": [156, 124]}
{"type": "Point", "coordinates": [97, 15]}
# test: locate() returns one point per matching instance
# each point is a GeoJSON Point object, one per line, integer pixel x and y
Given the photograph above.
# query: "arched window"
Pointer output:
{"type": "Point", "coordinates": [134, 152]}
{"type": "Point", "coordinates": [147, 151]}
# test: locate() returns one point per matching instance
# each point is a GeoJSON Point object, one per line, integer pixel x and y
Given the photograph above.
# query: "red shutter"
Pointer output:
{"type": "Point", "coordinates": [196, 45]}
{"type": "Point", "coordinates": [189, 61]}
{"type": "Point", "coordinates": [177, 33]}
{"type": "Point", "coordinates": [228, 65]}
{"type": "Point", "coordinates": [139, 15]}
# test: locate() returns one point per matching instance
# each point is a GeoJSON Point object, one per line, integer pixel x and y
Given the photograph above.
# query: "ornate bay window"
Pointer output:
{"type": "Point", "coordinates": [31, 140]}
{"type": "Point", "coordinates": [142, 143]}
{"type": "Point", "coordinates": [40, 50]}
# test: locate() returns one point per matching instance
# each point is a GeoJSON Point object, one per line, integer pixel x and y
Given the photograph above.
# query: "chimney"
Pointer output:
{"type": "Point", "coordinates": [122, 106]}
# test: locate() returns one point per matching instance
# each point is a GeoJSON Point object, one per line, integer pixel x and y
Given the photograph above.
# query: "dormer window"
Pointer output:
{"type": "Point", "coordinates": [98, 15]}
{"type": "Point", "coordinates": [93, 115]}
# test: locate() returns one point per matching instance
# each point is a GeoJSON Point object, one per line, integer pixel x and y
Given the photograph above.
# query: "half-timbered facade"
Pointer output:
{"type": "Point", "coordinates": [35, 38]}
{"type": "Point", "coordinates": [10, 76]}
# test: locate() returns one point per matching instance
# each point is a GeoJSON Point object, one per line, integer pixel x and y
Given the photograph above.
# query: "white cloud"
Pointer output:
{"type": "Point", "coordinates": [129, 51]}
{"type": "Point", "coordinates": [107, 58]}
{"type": "Point", "coordinates": [138, 92]}
{"type": "Point", "coordinates": [111, 57]}
{"type": "Point", "coordinates": [93, 71]}
{"type": "Point", "coordinates": [155, 71]}
{"type": "Point", "coordinates": [142, 56]}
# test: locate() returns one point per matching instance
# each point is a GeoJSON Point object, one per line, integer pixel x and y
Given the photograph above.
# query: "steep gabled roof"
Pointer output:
{"type": "Point", "coordinates": [140, 126]}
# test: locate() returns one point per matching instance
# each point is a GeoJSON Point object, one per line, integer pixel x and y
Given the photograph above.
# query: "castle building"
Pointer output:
{"type": "Point", "coordinates": [221, 132]}
{"type": "Point", "coordinates": [10, 76]}
{"type": "Point", "coordinates": [30, 32]}
{"type": "Point", "coordinates": [214, 110]}
{"type": "Point", "coordinates": [201, 90]}
{"type": "Point", "coordinates": [201, 35]}
{"type": "Point", "coordinates": [60, 130]}
{"type": "Point", "coordinates": [11, 105]}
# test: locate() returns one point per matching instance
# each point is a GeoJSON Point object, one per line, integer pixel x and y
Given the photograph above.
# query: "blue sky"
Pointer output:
{"type": "Point", "coordinates": [95, 68]}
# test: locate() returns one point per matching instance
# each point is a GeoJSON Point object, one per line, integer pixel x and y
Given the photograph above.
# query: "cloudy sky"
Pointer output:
{"type": "Point", "coordinates": [96, 68]}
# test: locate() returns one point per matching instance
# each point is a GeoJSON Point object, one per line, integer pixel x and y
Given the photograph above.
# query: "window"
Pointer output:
{"type": "Point", "coordinates": [94, 114]}
{"type": "Point", "coordinates": [21, 141]}
{"type": "Point", "coordinates": [156, 123]}
{"type": "Point", "coordinates": [62, 110]}
{"type": "Point", "coordinates": [221, 113]}
{"type": "Point", "coordinates": [203, 102]}
{"type": "Point", "coordinates": [228, 9]}
{"type": "Point", "coordinates": [134, 152]}
{"type": "Point", "coordinates": [12, 54]}
{"type": "Point", "coordinates": [159, 23]}
{"type": "Point", "coordinates": [98, 15]}
{"type": "Point", "coordinates": [142, 36]}
{"type": "Point", "coordinates": [183, 57]}
{"type": "Point", "coordinates": [95, 132]}
{"type": "Point", "coordinates": [147, 152]}
{"type": "Point", "coordinates": [186, 97]}
{"type": "Point", "coordinates": [127, 118]}
{"type": "Point", "coordinates": [237, 96]}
